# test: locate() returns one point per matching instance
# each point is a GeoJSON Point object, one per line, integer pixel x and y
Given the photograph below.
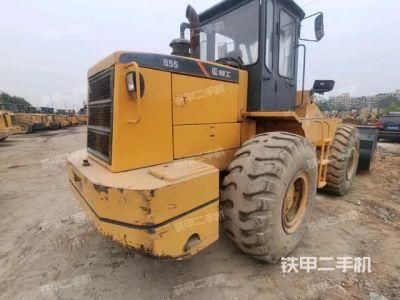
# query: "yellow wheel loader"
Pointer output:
{"type": "Point", "coordinates": [24, 122]}
{"type": "Point", "coordinates": [62, 120]}
{"type": "Point", "coordinates": [73, 119]}
{"type": "Point", "coordinates": [82, 119]}
{"type": "Point", "coordinates": [4, 127]}
{"type": "Point", "coordinates": [53, 124]}
{"type": "Point", "coordinates": [214, 132]}
{"type": "Point", "coordinates": [29, 123]}
{"type": "Point", "coordinates": [11, 121]}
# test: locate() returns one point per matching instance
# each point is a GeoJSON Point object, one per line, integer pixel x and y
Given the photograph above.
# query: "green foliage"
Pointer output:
{"type": "Point", "coordinates": [389, 101]}
{"type": "Point", "coordinates": [6, 99]}
{"type": "Point", "coordinates": [390, 104]}
{"type": "Point", "coordinates": [323, 106]}
{"type": "Point", "coordinates": [393, 107]}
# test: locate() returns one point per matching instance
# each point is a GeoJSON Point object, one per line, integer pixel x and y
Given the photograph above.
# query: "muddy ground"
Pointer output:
{"type": "Point", "coordinates": [49, 250]}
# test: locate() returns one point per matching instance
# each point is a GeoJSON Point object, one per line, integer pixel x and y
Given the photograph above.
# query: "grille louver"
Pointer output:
{"type": "Point", "coordinates": [100, 106]}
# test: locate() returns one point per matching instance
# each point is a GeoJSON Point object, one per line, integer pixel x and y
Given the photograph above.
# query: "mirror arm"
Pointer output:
{"type": "Point", "coordinates": [306, 40]}
{"type": "Point", "coordinates": [313, 15]}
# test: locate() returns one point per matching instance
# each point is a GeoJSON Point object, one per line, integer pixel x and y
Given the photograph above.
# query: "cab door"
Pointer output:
{"type": "Point", "coordinates": [269, 75]}
{"type": "Point", "coordinates": [286, 58]}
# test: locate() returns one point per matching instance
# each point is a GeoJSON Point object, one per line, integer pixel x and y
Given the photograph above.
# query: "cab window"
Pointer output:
{"type": "Point", "coordinates": [270, 35]}
{"type": "Point", "coordinates": [287, 44]}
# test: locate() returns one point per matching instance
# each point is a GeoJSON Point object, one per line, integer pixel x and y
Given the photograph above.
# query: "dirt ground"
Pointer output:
{"type": "Point", "coordinates": [49, 250]}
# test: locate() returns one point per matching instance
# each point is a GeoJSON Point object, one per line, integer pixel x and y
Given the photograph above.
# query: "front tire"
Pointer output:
{"type": "Point", "coordinates": [343, 160]}
{"type": "Point", "coordinates": [268, 194]}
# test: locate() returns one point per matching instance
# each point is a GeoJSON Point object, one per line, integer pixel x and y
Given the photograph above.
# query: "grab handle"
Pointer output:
{"type": "Point", "coordinates": [133, 68]}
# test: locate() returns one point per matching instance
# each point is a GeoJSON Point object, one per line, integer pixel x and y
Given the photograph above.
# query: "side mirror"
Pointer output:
{"type": "Point", "coordinates": [319, 27]}
{"type": "Point", "coordinates": [323, 86]}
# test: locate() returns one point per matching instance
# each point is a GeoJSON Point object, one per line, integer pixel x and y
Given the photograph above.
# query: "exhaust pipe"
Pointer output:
{"type": "Point", "coordinates": [184, 26]}
{"type": "Point", "coordinates": [194, 21]}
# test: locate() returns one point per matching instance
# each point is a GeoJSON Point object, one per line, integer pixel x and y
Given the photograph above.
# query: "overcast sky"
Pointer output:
{"type": "Point", "coordinates": [47, 46]}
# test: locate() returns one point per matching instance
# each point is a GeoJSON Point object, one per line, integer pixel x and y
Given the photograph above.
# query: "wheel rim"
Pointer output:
{"type": "Point", "coordinates": [351, 165]}
{"type": "Point", "coordinates": [295, 202]}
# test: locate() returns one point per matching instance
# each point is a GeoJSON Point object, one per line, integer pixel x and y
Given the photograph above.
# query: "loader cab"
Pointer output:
{"type": "Point", "coordinates": [262, 37]}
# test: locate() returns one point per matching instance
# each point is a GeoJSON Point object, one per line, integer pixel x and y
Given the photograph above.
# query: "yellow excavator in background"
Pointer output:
{"type": "Point", "coordinates": [217, 126]}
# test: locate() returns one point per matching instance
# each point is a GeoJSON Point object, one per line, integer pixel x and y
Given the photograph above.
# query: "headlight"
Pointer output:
{"type": "Point", "coordinates": [130, 82]}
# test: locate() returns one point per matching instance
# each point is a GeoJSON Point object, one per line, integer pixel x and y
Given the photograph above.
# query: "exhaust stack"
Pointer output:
{"type": "Point", "coordinates": [194, 21]}
{"type": "Point", "coordinates": [183, 47]}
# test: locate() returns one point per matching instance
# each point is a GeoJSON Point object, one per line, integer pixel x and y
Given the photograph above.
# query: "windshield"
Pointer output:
{"type": "Point", "coordinates": [232, 35]}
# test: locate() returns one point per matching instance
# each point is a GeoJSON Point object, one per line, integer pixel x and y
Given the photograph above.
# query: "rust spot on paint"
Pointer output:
{"type": "Point", "coordinates": [147, 195]}
{"type": "Point", "coordinates": [147, 210]}
{"type": "Point", "coordinates": [77, 181]}
{"type": "Point", "coordinates": [101, 188]}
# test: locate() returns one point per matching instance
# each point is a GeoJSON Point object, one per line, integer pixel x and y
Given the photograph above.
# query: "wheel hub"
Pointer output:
{"type": "Point", "coordinates": [295, 202]}
{"type": "Point", "coordinates": [351, 165]}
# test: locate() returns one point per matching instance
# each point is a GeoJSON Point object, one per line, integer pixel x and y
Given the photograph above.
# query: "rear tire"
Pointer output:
{"type": "Point", "coordinates": [268, 194]}
{"type": "Point", "coordinates": [343, 160]}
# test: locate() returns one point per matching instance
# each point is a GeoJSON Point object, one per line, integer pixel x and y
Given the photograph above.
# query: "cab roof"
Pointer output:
{"type": "Point", "coordinates": [228, 5]}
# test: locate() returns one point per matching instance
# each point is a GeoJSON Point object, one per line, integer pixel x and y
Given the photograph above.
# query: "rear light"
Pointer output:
{"type": "Point", "coordinates": [379, 125]}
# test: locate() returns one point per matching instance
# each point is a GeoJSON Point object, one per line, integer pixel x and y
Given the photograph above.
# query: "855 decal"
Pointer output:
{"type": "Point", "coordinates": [171, 63]}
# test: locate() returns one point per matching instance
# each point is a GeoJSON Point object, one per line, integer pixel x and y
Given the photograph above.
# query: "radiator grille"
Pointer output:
{"type": "Point", "coordinates": [100, 107]}
{"type": "Point", "coordinates": [99, 144]}
{"type": "Point", "coordinates": [100, 86]}
{"type": "Point", "coordinates": [100, 115]}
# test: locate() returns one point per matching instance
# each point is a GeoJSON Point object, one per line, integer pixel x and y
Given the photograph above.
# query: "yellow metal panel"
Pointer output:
{"type": "Point", "coordinates": [142, 133]}
{"type": "Point", "coordinates": [2, 120]}
{"type": "Point", "coordinates": [249, 130]}
{"type": "Point", "coordinates": [220, 159]}
{"type": "Point", "coordinates": [167, 241]}
{"type": "Point", "coordinates": [4, 130]}
{"type": "Point", "coordinates": [136, 197]}
{"type": "Point", "coordinates": [147, 213]}
{"type": "Point", "coordinates": [310, 110]}
{"type": "Point", "coordinates": [180, 170]}
{"type": "Point", "coordinates": [320, 130]}
{"type": "Point", "coordinates": [198, 100]}
{"type": "Point", "coordinates": [191, 140]}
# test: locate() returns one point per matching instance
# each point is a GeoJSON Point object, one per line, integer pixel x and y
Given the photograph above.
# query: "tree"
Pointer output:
{"type": "Point", "coordinates": [388, 101]}
{"type": "Point", "coordinates": [8, 99]}
{"type": "Point", "coordinates": [394, 107]}
{"type": "Point", "coordinates": [323, 106]}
